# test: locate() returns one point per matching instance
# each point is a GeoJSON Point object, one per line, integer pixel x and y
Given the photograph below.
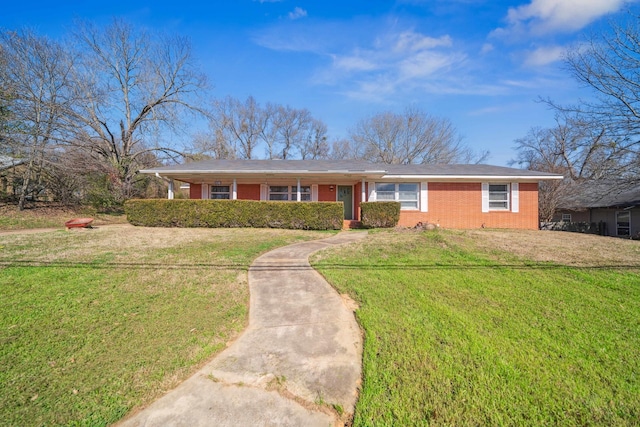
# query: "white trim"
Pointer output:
{"type": "Point", "coordinates": [372, 191]}
{"type": "Point", "coordinates": [170, 190]}
{"type": "Point", "coordinates": [205, 192]}
{"type": "Point", "coordinates": [515, 197]}
{"type": "Point", "coordinates": [485, 197]}
{"type": "Point", "coordinates": [234, 191]}
{"type": "Point", "coordinates": [314, 192]}
{"type": "Point", "coordinates": [363, 196]}
{"type": "Point", "coordinates": [424, 196]}
{"type": "Point", "coordinates": [264, 192]}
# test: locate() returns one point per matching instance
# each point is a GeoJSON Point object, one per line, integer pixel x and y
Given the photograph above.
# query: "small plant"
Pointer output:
{"type": "Point", "coordinates": [338, 408]}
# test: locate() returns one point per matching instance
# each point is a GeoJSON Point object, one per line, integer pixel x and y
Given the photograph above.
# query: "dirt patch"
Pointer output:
{"type": "Point", "coordinates": [563, 248]}
{"type": "Point", "coordinates": [349, 302]}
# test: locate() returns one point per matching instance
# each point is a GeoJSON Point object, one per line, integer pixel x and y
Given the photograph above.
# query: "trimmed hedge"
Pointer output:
{"type": "Point", "coordinates": [234, 213]}
{"type": "Point", "coordinates": [380, 214]}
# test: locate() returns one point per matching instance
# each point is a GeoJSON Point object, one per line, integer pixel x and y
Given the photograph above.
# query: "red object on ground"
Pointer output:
{"type": "Point", "coordinates": [78, 223]}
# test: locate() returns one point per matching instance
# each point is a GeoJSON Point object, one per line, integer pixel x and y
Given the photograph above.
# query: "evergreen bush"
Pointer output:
{"type": "Point", "coordinates": [234, 213]}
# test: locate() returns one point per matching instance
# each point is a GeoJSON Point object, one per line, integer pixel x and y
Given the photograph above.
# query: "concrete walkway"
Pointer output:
{"type": "Point", "coordinates": [297, 364]}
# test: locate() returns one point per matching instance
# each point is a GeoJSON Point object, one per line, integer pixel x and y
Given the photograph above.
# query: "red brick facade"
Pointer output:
{"type": "Point", "coordinates": [248, 191]}
{"type": "Point", "coordinates": [195, 191]}
{"type": "Point", "coordinates": [459, 205]}
{"type": "Point", "coordinates": [450, 204]}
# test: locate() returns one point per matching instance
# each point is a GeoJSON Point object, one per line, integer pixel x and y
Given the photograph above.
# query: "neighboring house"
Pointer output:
{"type": "Point", "coordinates": [618, 210]}
{"type": "Point", "coordinates": [453, 196]}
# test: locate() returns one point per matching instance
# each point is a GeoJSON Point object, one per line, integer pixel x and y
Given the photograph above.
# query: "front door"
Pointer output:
{"type": "Point", "coordinates": [345, 195]}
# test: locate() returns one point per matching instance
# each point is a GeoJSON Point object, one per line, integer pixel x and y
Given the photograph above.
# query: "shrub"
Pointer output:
{"type": "Point", "coordinates": [234, 213]}
{"type": "Point", "coordinates": [380, 214]}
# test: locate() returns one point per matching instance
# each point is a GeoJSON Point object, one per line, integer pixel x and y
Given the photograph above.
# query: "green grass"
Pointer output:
{"type": "Point", "coordinates": [456, 335]}
{"type": "Point", "coordinates": [94, 323]}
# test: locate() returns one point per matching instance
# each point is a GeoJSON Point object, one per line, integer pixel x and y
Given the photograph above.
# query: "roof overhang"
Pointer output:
{"type": "Point", "coordinates": [476, 178]}
{"type": "Point", "coordinates": [264, 171]}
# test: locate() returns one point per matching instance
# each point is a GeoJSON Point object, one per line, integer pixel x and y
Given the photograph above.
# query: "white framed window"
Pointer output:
{"type": "Point", "coordinates": [623, 223]}
{"type": "Point", "coordinates": [566, 217]}
{"type": "Point", "coordinates": [289, 192]}
{"type": "Point", "coordinates": [499, 197]}
{"type": "Point", "coordinates": [407, 193]}
{"type": "Point", "coordinates": [219, 192]}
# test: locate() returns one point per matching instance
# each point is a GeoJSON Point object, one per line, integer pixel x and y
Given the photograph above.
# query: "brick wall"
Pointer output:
{"type": "Point", "coordinates": [459, 205]}
{"type": "Point", "coordinates": [248, 191]}
{"type": "Point", "coordinates": [325, 194]}
{"type": "Point", "coordinates": [195, 191]}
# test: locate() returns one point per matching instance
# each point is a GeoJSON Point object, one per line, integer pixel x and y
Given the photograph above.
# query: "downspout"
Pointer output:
{"type": "Point", "coordinates": [363, 198]}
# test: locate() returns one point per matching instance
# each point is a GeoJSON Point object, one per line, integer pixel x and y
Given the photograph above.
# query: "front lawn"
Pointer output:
{"type": "Point", "coordinates": [494, 327]}
{"type": "Point", "coordinates": [96, 322]}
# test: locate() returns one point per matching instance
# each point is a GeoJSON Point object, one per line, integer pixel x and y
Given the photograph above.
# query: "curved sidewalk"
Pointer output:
{"type": "Point", "coordinates": [297, 364]}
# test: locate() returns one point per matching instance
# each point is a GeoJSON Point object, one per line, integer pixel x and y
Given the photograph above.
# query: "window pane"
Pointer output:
{"type": "Point", "coordinates": [386, 195]}
{"type": "Point", "coordinates": [385, 187]}
{"type": "Point", "coordinates": [278, 189]}
{"type": "Point", "coordinates": [498, 205]}
{"type": "Point", "coordinates": [497, 187]}
{"type": "Point", "coordinates": [303, 189]}
{"type": "Point", "coordinates": [305, 197]}
{"type": "Point", "coordinates": [408, 187]}
{"type": "Point", "coordinates": [405, 195]}
{"type": "Point", "coordinates": [220, 196]}
{"type": "Point", "coordinates": [498, 196]}
{"type": "Point", "coordinates": [409, 205]}
{"type": "Point", "coordinates": [278, 196]}
{"type": "Point", "coordinates": [220, 189]}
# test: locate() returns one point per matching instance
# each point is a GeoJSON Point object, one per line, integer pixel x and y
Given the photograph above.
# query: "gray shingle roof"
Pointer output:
{"type": "Point", "coordinates": [602, 195]}
{"type": "Point", "coordinates": [345, 166]}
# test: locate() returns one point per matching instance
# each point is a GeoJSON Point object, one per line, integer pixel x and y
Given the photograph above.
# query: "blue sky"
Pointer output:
{"type": "Point", "coordinates": [481, 63]}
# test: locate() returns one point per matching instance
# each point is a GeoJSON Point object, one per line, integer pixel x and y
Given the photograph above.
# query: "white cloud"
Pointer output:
{"type": "Point", "coordinates": [297, 13]}
{"type": "Point", "coordinates": [541, 17]}
{"type": "Point", "coordinates": [394, 61]}
{"type": "Point", "coordinates": [353, 63]}
{"type": "Point", "coordinates": [410, 41]}
{"type": "Point", "coordinates": [544, 56]}
{"type": "Point", "coordinates": [486, 48]}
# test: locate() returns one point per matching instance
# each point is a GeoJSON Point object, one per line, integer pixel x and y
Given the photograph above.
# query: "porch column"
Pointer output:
{"type": "Point", "coordinates": [234, 191]}
{"type": "Point", "coordinates": [170, 191]}
{"type": "Point", "coordinates": [298, 193]}
{"type": "Point", "coordinates": [364, 193]}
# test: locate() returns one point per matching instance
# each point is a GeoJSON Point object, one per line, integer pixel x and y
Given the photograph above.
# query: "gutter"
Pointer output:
{"type": "Point", "coordinates": [477, 177]}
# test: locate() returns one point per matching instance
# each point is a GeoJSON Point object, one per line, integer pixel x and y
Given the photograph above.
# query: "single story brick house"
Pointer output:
{"type": "Point", "coordinates": [453, 196]}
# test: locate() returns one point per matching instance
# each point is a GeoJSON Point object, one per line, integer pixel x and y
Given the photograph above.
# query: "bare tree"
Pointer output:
{"type": "Point", "coordinates": [244, 126]}
{"type": "Point", "coordinates": [134, 90]}
{"type": "Point", "coordinates": [574, 148]}
{"type": "Point", "coordinates": [315, 146]}
{"type": "Point", "coordinates": [37, 77]}
{"type": "Point", "coordinates": [409, 138]}
{"type": "Point", "coordinates": [291, 126]}
{"type": "Point", "coordinates": [608, 64]}
{"type": "Point", "coordinates": [241, 124]}
{"type": "Point", "coordinates": [210, 146]}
